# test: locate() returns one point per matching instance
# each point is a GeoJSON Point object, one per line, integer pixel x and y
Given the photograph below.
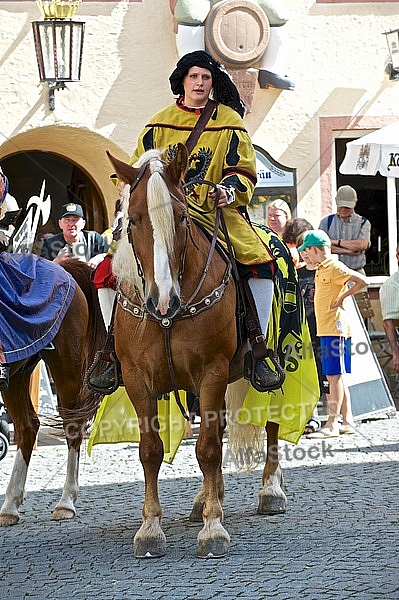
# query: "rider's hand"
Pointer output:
{"type": "Point", "coordinates": [225, 196]}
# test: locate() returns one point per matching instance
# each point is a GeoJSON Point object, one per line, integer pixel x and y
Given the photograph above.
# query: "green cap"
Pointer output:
{"type": "Point", "coordinates": [316, 237]}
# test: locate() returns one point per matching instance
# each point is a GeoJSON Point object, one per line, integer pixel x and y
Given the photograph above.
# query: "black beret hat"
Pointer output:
{"type": "Point", "coordinates": [224, 89]}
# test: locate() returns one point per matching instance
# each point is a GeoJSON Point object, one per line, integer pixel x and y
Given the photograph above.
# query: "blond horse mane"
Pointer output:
{"type": "Point", "coordinates": [160, 211]}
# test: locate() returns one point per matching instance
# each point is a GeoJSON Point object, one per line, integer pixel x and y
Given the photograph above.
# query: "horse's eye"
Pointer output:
{"type": "Point", "coordinates": [131, 222]}
{"type": "Point", "coordinates": [182, 218]}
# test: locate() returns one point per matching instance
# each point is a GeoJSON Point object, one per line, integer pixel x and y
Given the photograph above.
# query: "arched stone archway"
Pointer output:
{"type": "Point", "coordinates": [74, 164]}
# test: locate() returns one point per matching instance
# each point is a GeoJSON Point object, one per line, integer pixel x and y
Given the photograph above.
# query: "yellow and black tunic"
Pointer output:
{"type": "Point", "coordinates": [224, 155]}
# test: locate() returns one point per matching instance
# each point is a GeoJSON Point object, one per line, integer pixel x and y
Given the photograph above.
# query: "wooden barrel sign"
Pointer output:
{"type": "Point", "coordinates": [236, 33]}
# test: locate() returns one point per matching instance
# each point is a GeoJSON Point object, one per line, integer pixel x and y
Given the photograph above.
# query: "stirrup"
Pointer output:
{"type": "Point", "coordinates": [277, 376]}
{"type": "Point", "coordinates": [99, 366]}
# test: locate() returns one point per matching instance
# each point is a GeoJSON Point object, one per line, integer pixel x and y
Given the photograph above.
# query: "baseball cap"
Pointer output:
{"type": "Point", "coordinates": [316, 237]}
{"type": "Point", "coordinates": [71, 209]}
{"type": "Point", "coordinates": [346, 197]}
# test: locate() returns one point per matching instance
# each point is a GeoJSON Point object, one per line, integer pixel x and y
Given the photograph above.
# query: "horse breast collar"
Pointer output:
{"type": "Point", "coordinates": [188, 310]}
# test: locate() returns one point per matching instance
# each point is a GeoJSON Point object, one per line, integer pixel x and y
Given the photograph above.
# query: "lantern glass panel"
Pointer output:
{"type": "Point", "coordinates": [59, 46]}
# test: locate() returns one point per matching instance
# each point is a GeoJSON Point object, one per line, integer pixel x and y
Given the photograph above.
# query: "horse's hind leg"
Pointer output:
{"type": "Point", "coordinates": [26, 425]}
{"type": "Point", "coordinates": [68, 383]}
{"type": "Point", "coordinates": [272, 499]}
{"type": "Point", "coordinates": [66, 363]}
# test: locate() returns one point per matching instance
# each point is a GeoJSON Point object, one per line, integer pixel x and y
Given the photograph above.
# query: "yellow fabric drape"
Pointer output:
{"type": "Point", "coordinates": [116, 422]}
{"type": "Point", "coordinates": [288, 333]}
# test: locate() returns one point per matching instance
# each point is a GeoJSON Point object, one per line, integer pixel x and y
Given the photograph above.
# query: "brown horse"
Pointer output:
{"type": "Point", "coordinates": [81, 333]}
{"type": "Point", "coordinates": [175, 329]}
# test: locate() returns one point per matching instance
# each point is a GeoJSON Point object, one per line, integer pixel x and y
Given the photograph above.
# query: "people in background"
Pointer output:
{"type": "Point", "coordinates": [8, 207]}
{"type": "Point", "coordinates": [349, 232]}
{"type": "Point", "coordinates": [331, 288]}
{"type": "Point", "coordinates": [74, 241]}
{"type": "Point", "coordinates": [306, 275]}
{"type": "Point", "coordinates": [389, 300]}
{"type": "Point", "coordinates": [293, 228]}
{"type": "Point", "coordinates": [277, 215]}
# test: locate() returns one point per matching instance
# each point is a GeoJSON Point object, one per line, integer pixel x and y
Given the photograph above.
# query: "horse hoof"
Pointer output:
{"type": "Point", "coordinates": [149, 549]}
{"type": "Point", "coordinates": [271, 505]}
{"type": "Point", "coordinates": [213, 548]}
{"type": "Point", "coordinates": [8, 520]}
{"type": "Point", "coordinates": [62, 514]}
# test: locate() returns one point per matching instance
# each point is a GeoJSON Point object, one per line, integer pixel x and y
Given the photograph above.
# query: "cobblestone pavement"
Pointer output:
{"type": "Point", "coordinates": [338, 539]}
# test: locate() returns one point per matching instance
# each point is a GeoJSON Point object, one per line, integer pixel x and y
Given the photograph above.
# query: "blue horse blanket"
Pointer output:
{"type": "Point", "coordinates": [35, 294]}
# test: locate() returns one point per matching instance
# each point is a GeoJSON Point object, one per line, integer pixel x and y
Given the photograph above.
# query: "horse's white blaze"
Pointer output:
{"type": "Point", "coordinates": [162, 274]}
{"type": "Point", "coordinates": [15, 489]}
{"type": "Point", "coordinates": [161, 216]}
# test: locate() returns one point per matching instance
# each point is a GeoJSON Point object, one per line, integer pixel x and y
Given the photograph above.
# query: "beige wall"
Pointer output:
{"type": "Point", "coordinates": [337, 55]}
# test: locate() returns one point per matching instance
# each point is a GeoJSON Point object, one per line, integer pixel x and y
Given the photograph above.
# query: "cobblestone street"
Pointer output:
{"type": "Point", "coordinates": [338, 539]}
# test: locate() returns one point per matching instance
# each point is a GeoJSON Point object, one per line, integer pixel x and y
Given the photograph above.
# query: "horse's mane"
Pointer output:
{"type": "Point", "coordinates": [160, 212]}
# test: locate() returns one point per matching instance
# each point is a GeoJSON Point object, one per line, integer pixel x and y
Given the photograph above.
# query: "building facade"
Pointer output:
{"type": "Point", "coordinates": [336, 54]}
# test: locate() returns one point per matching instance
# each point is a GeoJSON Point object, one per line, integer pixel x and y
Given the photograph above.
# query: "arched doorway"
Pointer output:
{"type": "Point", "coordinates": [65, 182]}
{"type": "Point", "coordinates": [73, 162]}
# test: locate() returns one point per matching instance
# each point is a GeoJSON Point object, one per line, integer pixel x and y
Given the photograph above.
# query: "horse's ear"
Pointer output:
{"type": "Point", "coordinates": [124, 172]}
{"type": "Point", "coordinates": [178, 166]}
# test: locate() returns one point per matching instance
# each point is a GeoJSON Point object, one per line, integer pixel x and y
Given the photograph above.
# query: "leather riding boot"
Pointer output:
{"type": "Point", "coordinates": [106, 381]}
{"type": "Point", "coordinates": [4, 376]}
{"type": "Point", "coordinates": [104, 375]}
{"type": "Point", "coordinates": [264, 378]}
{"type": "Point", "coordinates": [261, 376]}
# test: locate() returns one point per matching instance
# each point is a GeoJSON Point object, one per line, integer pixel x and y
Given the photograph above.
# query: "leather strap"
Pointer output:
{"type": "Point", "coordinates": [200, 125]}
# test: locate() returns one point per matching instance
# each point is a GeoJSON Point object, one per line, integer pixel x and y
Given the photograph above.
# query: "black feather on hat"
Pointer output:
{"type": "Point", "coordinates": [224, 89]}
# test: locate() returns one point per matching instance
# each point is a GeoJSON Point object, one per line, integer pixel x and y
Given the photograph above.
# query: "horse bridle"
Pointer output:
{"type": "Point", "coordinates": [189, 309]}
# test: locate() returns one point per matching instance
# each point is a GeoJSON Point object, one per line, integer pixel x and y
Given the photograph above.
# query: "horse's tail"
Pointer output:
{"type": "Point", "coordinates": [89, 401]}
{"type": "Point", "coordinates": [245, 441]}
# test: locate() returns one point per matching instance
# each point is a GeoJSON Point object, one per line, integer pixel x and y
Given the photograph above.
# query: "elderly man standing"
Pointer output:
{"type": "Point", "coordinates": [349, 232]}
{"type": "Point", "coordinates": [74, 241]}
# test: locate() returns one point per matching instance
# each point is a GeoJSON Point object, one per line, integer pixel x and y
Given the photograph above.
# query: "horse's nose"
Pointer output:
{"type": "Point", "coordinates": [163, 309]}
{"type": "Point", "coordinates": [174, 306]}
{"type": "Point", "coordinates": [151, 305]}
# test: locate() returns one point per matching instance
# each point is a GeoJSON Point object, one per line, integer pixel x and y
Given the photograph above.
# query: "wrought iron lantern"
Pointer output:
{"type": "Point", "coordinates": [393, 47]}
{"type": "Point", "coordinates": [59, 44]}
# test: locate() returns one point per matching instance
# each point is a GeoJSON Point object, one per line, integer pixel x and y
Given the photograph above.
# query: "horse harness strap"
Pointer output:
{"type": "Point", "coordinates": [186, 311]}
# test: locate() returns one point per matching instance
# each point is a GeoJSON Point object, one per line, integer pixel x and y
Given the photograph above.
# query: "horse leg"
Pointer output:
{"type": "Point", "coordinates": [65, 508]}
{"type": "Point", "coordinates": [67, 381]}
{"type": "Point", "coordinates": [66, 363]}
{"type": "Point", "coordinates": [26, 426]}
{"type": "Point", "coordinates": [272, 500]}
{"type": "Point", "coordinates": [213, 539]}
{"type": "Point", "coordinates": [150, 540]}
{"type": "Point", "coordinates": [199, 500]}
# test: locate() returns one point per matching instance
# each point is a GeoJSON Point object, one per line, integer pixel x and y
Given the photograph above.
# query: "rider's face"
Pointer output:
{"type": "Point", "coordinates": [197, 86]}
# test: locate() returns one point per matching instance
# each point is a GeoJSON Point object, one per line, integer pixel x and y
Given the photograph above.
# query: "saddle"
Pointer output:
{"type": "Point", "coordinates": [247, 320]}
